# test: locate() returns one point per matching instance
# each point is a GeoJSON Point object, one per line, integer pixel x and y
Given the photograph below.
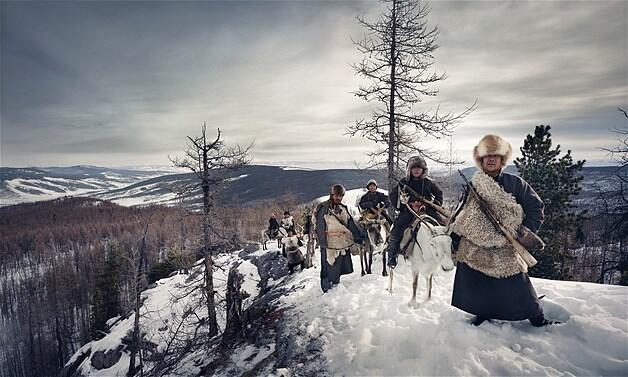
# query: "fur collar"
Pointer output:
{"type": "Point", "coordinates": [485, 249]}
{"type": "Point", "coordinates": [475, 226]}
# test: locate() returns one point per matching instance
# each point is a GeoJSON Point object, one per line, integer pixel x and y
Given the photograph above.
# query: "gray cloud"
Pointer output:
{"type": "Point", "coordinates": [112, 82]}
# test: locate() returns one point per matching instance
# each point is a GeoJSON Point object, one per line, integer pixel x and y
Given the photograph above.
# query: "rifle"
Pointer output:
{"type": "Point", "coordinates": [443, 211]}
{"type": "Point", "coordinates": [518, 247]}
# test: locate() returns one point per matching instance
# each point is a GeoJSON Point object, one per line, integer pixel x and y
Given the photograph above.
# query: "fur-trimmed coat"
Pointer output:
{"type": "Point", "coordinates": [482, 247]}
{"type": "Point", "coordinates": [329, 238]}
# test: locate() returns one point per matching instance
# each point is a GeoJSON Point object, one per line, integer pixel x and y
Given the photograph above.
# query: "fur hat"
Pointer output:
{"type": "Point", "coordinates": [416, 162]}
{"type": "Point", "coordinates": [492, 144]}
{"type": "Point", "coordinates": [371, 182]}
{"type": "Point", "coordinates": [337, 189]}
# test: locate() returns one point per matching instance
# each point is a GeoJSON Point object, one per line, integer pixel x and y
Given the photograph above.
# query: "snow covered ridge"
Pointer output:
{"type": "Point", "coordinates": [145, 187]}
{"type": "Point", "coordinates": [27, 185]}
{"type": "Point", "coordinates": [359, 329]}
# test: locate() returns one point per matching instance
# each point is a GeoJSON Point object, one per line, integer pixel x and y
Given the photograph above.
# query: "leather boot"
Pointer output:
{"type": "Point", "coordinates": [393, 249]}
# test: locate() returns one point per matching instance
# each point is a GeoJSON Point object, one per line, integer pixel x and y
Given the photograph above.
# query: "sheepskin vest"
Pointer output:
{"type": "Point", "coordinates": [339, 237]}
{"type": "Point", "coordinates": [292, 243]}
{"type": "Point", "coordinates": [483, 247]}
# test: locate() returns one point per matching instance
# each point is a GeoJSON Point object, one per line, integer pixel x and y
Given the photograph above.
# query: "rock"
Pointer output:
{"type": "Point", "coordinates": [70, 370]}
{"type": "Point", "coordinates": [173, 273]}
{"type": "Point", "coordinates": [103, 360]}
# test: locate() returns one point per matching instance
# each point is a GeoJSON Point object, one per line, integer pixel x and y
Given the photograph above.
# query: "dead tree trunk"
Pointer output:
{"type": "Point", "coordinates": [139, 286]}
{"type": "Point", "coordinates": [211, 161]}
{"type": "Point", "coordinates": [235, 320]}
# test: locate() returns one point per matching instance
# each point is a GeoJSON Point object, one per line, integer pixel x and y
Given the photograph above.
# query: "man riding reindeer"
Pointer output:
{"type": "Point", "coordinates": [375, 200]}
{"type": "Point", "coordinates": [416, 182]}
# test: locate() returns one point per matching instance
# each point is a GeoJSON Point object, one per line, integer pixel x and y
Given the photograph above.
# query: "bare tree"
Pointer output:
{"type": "Point", "coordinates": [235, 318]}
{"type": "Point", "coordinates": [398, 59]}
{"type": "Point", "coordinates": [212, 162]}
{"type": "Point", "coordinates": [620, 151]}
{"type": "Point", "coordinates": [138, 286]}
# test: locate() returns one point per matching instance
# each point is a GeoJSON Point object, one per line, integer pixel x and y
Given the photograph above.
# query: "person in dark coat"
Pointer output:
{"type": "Point", "coordinates": [336, 232]}
{"type": "Point", "coordinates": [491, 279]}
{"type": "Point", "coordinates": [273, 226]}
{"type": "Point", "coordinates": [374, 199]}
{"type": "Point", "coordinates": [416, 178]}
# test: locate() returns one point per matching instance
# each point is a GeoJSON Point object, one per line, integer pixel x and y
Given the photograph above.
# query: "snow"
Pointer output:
{"type": "Point", "coordinates": [296, 168]}
{"type": "Point", "coordinates": [23, 190]}
{"type": "Point", "coordinates": [250, 356]}
{"type": "Point", "coordinates": [163, 309]}
{"type": "Point", "coordinates": [367, 331]}
{"type": "Point", "coordinates": [131, 201]}
{"type": "Point", "coordinates": [237, 178]}
{"type": "Point", "coordinates": [351, 200]}
{"type": "Point", "coordinates": [31, 190]}
{"type": "Point", "coordinates": [250, 282]}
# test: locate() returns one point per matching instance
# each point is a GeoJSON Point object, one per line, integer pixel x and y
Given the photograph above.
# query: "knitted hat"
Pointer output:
{"type": "Point", "coordinates": [371, 182]}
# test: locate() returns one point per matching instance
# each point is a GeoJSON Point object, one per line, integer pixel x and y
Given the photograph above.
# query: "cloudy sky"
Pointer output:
{"type": "Point", "coordinates": [116, 83]}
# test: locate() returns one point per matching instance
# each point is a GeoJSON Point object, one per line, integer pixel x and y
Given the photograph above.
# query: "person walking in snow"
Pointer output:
{"type": "Point", "coordinates": [291, 244]}
{"type": "Point", "coordinates": [374, 199]}
{"type": "Point", "coordinates": [416, 178]}
{"type": "Point", "coordinates": [336, 232]}
{"type": "Point", "coordinates": [491, 279]}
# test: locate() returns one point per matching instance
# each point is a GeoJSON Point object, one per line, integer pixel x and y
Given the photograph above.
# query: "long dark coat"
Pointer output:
{"type": "Point", "coordinates": [512, 298]}
{"type": "Point", "coordinates": [424, 186]}
{"type": "Point", "coordinates": [372, 199]}
{"type": "Point", "coordinates": [343, 265]}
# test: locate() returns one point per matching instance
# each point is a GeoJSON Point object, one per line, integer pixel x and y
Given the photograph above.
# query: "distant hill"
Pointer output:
{"type": "Point", "coordinates": [249, 186]}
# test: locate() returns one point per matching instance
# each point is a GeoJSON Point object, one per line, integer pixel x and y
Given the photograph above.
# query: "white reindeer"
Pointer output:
{"type": "Point", "coordinates": [429, 253]}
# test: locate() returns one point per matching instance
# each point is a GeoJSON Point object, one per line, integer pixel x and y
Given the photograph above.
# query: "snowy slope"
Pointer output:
{"type": "Point", "coordinates": [23, 185]}
{"type": "Point", "coordinates": [364, 330]}
{"type": "Point", "coordinates": [163, 318]}
{"type": "Point", "coordinates": [367, 331]}
{"type": "Point", "coordinates": [359, 329]}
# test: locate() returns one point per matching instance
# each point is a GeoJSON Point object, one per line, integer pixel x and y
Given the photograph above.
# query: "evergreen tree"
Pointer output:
{"type": "Point", "coordinates": [106, 299]}
{"type": "Point", "coordinates": [557, 181]}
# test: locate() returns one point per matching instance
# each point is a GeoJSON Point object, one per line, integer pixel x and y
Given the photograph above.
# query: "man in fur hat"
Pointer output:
{"type": "Point", "coordinates": [491, 279]}
{"type": "Point", "coordinates": [336, 232]}
{"type": "Point", "coordinates": [416, 178]}
{"type": "Point", "coordinates": [374, 199]}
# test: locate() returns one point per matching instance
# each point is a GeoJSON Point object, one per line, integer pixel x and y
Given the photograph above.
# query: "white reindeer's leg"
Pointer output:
{"type": "Point", "coordinates": [415, 282]}
{"type": "Point", "coordinates": [390, 281]}
{"type": "Point", "coordinates": [428, 281]}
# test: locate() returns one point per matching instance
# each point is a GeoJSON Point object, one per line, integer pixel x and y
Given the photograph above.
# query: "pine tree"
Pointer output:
{"type": "Point", "coordinates": [557, 181]}
{"type": "Point", "coordinates": [106, 299]}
